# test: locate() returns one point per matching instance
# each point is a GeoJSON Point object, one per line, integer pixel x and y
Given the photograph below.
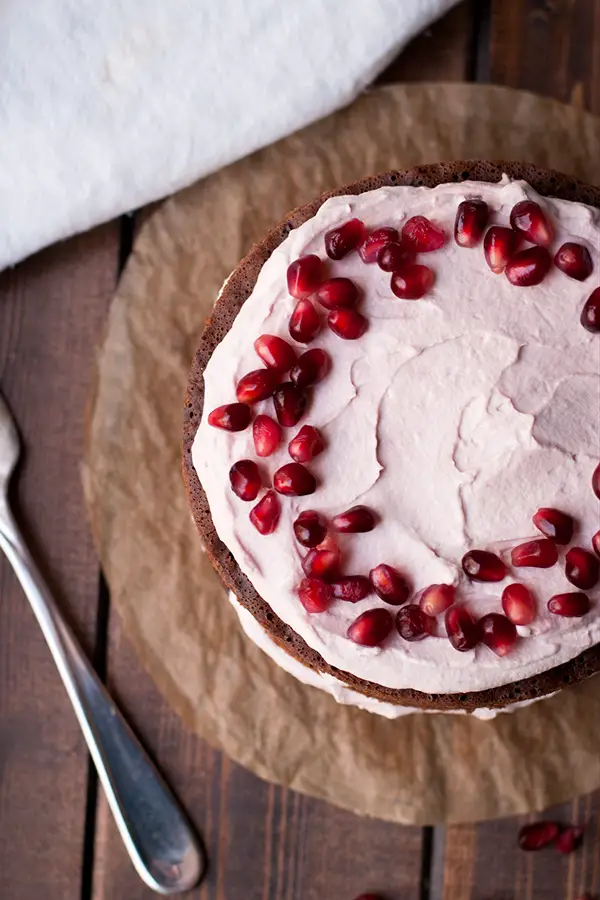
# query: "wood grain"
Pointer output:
{"type": "Point", "coordinates": [51, 311]}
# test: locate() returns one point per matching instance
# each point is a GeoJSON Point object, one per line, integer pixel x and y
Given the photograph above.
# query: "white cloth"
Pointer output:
{"type": "Point", "coordinates": [106, 105]}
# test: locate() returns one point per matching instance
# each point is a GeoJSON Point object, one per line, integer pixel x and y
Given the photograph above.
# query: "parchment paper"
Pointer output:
{"type": "Point", "coordinates": [424, 768]}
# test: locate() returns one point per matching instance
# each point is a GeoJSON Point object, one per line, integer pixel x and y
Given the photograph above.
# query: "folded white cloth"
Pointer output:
{"type": "Point", "coordinates": [106, 105]}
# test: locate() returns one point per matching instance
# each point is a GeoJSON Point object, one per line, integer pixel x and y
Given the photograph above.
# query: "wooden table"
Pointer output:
{"type": "Point", "coordinates": [57, 840]}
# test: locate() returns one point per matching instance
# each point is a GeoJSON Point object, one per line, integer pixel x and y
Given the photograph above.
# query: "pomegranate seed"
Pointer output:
{"type": "Point", "coordinates": [275, 352]}
{"type": "Point", "coordinates": [413, 624]}
{"type": "Point", "coordinates": [518, 604]}
{"type": "Point", "coordinates": [389, 584]}
{"type": "Point", "coordinates": [305, 322]}
{"type": "Point", "coordinates": [245, 479]}
{"type": "Point", "coordinates": [572, 604]}
{"type": "Point", "coordinates": [266, 434]}
{"type": "Point", "coordinates": [347, 323]}
{"type": "Point", "coordinates": [471, 219]}
{"type": "Point", "coordinates": [307, 444]}
{"type": "Point", "coordinates": [371, 628]}
{"type": "Point", "coordinates": [481, 565]}
{"type": "Point", "coordinates": [412, 281]}
{"type": "Point", "coordinates": [290, 404]}
{"type": "Point", "coordinates": [590, 314]}
{"type": "Point", "coordinates": [231, 417]}
{"type": "Point", "coordinates": [437, 598]}
{"type": "Point", "coordinates": [265, 515]}
{"type": "Point", "coordinates": [337, 293]}
{"type": "Point", "coordinates": [596, 543]}
{"type": "Point", "coordinates": [528, 267]}
{"type": "Point", "coordinates": [596, 481]}
{"type": "Point", "coordinates": [499, 245]}
{"type": "Point", "coordinates": [529, 218]}
{"type": "Point", "coordinates": [554, 524]}
{"type": "Point", "coordinates": [422, 235]}
{"type": "Point", "coordinates": [498, 633]}
{"type": "Point", "coordinates": [538, 554]}
{"type": "Point", "coordinates": [356, 520]}
{"type": "Point", "coordinates": [569, 839]}
{"type": "Point", "coordinates": [339, 242]}
{"type": "Point", "coordinates": [294, 480]}
{"type": "Point", "coordinates": [322, 563]}
{"type": "Point", "coordinates": [310, 528]}
{"type": "Point", "coordinates": [538, 835]}
{"type": "Point", "coordinates": [581, 568]}
{"type": "Point", "coordinates": [351, 588]}
{"type": "Point", "coordinates": [574, 260]}
{"type": "Point", "coordinates": [462, 629]}
{"type": "Point", "coordinates": [312, 367]}
{"type": "Point", "coordinates": [370, 248]}
{"type": "Point", "coordinates": [394, 255]}
{"type": "Point", "coordinates": [315, 595]}
{"type": "Point", "coordinates": [256, 385]}
{"type": "Point", "coordinates": [304, 276]}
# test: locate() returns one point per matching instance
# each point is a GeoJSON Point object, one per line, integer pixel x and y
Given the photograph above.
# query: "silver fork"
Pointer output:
{"type": "Point", "coordinates": [158, 837]}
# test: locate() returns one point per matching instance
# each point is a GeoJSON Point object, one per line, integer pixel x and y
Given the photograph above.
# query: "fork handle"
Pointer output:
{"type": "Point", "coordinates": [158, 838]}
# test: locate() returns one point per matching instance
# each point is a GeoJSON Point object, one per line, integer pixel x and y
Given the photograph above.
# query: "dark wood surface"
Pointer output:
{"type": "Point", "coordinates": [57, 840]}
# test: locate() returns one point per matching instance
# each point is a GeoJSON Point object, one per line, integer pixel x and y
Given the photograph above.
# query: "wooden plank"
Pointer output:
{"type": "Point", "coordinates": [51, 312]}
{"type": "Point", "coordinates": [263, 841]}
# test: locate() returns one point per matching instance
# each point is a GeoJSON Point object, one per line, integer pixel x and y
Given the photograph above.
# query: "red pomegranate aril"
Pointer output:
{"type": "Point", "coordinates": [596, 543]}
{"type": "Point", "coordinates": [310, 528]}
{"type": "Point", "coordinates": [481, 565]}
{"type": "Point", "coordinates": [529, 218]}
{"type": "Point", "coordinates": [413, 624]}
{"type": "Point", "coordinates": [290, 404]}
{"type": "Point", "coordinates": [322, 564]}
{"type": "Point", "coordinates": [371, 246]}
{"type": "Point", "coordinates": [347, 323]}
{"type": "Point", "coordinates": [231, 417]}
{"type": "Point", "coordinates": [499, 245]}
{"type": "Point", "coordinates": [569, 839]}
{"type": "Point", "coordinates": [393, 256]}
{"type": "Point", "coordinates": [256, 385]}
{"type": "Point", "coordinates": [389, 584]}
{"type": "Point", "coordinates": [351, 588]}
{"type": "Point", "coordinates": [498, 633]}
{"type": "Point", "coordinates": [581, 568]}
{"type": "Point", "coordinates": [412, 281]}
{"type": "Point", "coordinates": [305, 322]}
{"type": "Point", "coordinates": [266, 434]}
{"type": "Point", "coordinates": [574, 260]}
{"type": "Point", "coordinates": [265, 515]}
{"type": "Point", "coordinates": [304, 276]}
{"type": "Point", "coordinates": [422, 235]}
{"type": "Point", "coordinates": [275, 352]}
{"type": "Point", "coordinates": [462, 629]}
{"type": "Point", "coordinates": [339, 242]}
{"type": "Point", "coordinates": [596, 481]}
{"type": "Point", "coordinates": [294, 480]}
{"type": "Point", "coordinates": [538, 835]}
{"type": "Point", "coordinates": [371, 628]}
{"type": "Point", "coordinates": [245, 479]}
{"type": "Point", "coordinates": [337, 293]}
{"type": "Point", "coordinates": [315, 595]}
{"type": "Point", "coordinates": [518, 604]}
{"type": "Point", "coordinates": [356, 520]}
{"type": "Point", "coordinates": [590, 314]}
{"type": "Point", "coordinates": [307, 444]}
{"type": "Point", "coordinates": [572, 604]}
{"type": "Point", "coordinates": [437, 598]}
{"type": "Point", "coordinates": [471, 219]}
{"type": "Point", "coordinates": [528, 267]}
{"type": "Point", "coordinates": [537, 554]}
{"type": "Point", "coordinates": [312, 367]}
{"type": "Point", "coordinates": [554, 524]}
